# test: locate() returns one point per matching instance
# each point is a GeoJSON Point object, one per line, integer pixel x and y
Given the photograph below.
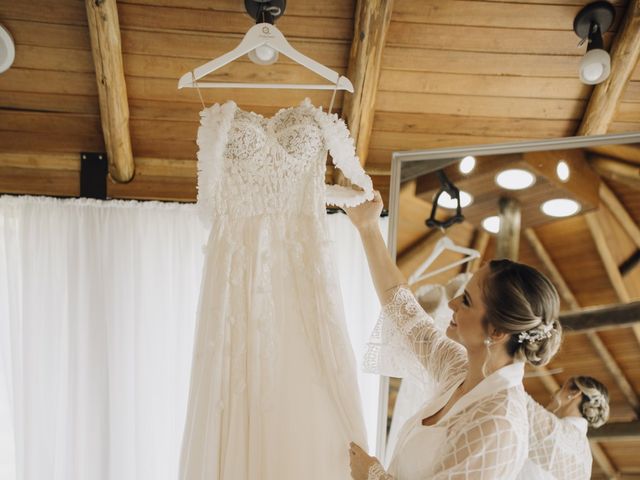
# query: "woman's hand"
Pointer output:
{"type": "Point", "coordinates": [366, 214]}
{"type": "Point", "coordinates": [360, 462]}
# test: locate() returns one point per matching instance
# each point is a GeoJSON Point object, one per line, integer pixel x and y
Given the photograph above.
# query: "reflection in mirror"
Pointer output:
{"type": "Point", "coordinates": [569, 207]}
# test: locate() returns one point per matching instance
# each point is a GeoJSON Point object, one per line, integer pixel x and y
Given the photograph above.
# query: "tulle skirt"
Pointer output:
{"type": "Point", "coordinates": [273, 391]}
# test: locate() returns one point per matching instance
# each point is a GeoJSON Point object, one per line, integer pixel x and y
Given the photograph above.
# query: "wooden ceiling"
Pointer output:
{"type": "Point", "coordinates": [428, 73]}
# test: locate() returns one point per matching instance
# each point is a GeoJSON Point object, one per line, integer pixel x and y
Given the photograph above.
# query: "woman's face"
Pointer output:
{"type": "Point", "coordinates": [467, 326]}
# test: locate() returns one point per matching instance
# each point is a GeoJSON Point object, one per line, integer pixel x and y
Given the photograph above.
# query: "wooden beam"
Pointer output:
{"type": "Point", "coordinates": [618, 210]}
{"type": "Point", "coordinates": [616, 170]}
{"type": "Point", "coordinates": [625, 152]}
{"type": "Point", "coordinates": [616, 432]}
{"type": "Point", "coordinates": [624, 57]}
{"type": "Point", "coordinates": [410, 258]}
{"type": "Point", "coordinates": [106, 47]}
{"type": "Point", "coordinates": [556, 277]}
{"type": "Point", "coordinates": [480, 242]}
{"type": "Point", "coordinates": [607, 258]}
{"type": "Point", "coordinates": [508, 239]}
{"type": "Point", "coordinates": [602, 459]}
{"type": "Point", "coordinates": [372, 19]}
{"type": "Point", "coordinates": [601, 318]}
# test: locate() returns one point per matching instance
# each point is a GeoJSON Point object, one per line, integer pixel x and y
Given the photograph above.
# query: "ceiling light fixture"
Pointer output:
{"type": "Point", "coordinates": [515, 179]}
{"type": "Point", "coordinates": [562, 170]}
{"type": "Point", "coordinates": [560, 207]}
{"type": "Point", "coordinates": [491, 224]}
{"type": "Point", "coordinates": [7, 50]}
{"type": "Point", "coordinates": [445, 200]}
{"type": "Point", "coordinates": [590, 24]}
{"type": "Point", "coordinates": [467, 164]}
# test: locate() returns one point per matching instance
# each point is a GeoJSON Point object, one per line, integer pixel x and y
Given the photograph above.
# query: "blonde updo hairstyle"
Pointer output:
{"type": "Point", "coordinates": [521, 301]}
{"type": "Point", "coordinates": [594, 405]}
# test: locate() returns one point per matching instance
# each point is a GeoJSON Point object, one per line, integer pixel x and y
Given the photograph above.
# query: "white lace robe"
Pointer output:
{"type": "Point", "coordinates": [558, 447]}
{"type": "Point", "coordinates": [483, 436]}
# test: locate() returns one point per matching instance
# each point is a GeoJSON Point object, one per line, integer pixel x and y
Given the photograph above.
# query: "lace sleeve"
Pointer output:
{"type": "Point", "coordinates": [484, 450]}
{"type": "Point", "coordinates": [342, 149]}
{"type": "Point", "coordinates": [405, 343]}
{"type": "Point", "coordinates": [376, 472]}
{"type": "Point", "coordinates": [215, 122]}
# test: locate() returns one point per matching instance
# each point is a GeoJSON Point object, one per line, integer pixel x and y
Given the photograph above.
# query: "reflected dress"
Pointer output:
{"type": "Point", "coordinates": [273, 392]}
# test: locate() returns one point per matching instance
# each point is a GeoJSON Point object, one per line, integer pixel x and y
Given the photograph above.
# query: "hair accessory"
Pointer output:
{"type": "Point", "coordinates": [535, 334]}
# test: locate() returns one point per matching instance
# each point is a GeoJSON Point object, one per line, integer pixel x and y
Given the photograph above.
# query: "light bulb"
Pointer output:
{"type": "Point", "coordinates": [560, 207]}
{"type": "Point", "coordinates": [491, 224]}
{"type": "Point", "coordinates": [467, 164]}
{"type": "Point", "coordinates": [595, 66]}
{"type": "Point", "coordinates": [263, 55]}
{"type": "Point", "coordinates": [515, 179]}
{"type": "Point", "coordinates": [562, 170]}
{"type": "Point", "coordinates": [446, 201]}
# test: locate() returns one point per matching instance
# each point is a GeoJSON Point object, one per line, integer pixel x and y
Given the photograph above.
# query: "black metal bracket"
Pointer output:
{"type": "Point", "coordinates": [454, 193]}
{"type": "Point", "coordinates": [265, 11]}
{"type": "Point", "coordinates": [93, 175]}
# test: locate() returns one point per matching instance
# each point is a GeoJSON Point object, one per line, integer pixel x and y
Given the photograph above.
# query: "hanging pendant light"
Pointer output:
{"type": "Point", "coordinates": [590, 24]}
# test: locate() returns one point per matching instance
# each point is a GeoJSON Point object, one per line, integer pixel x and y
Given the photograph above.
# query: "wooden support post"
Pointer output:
{"type": "Point", "coordinates": [372, 19]}
{"type": "Point", "coordinates": [508, 241]}
{"type": "Point", "coordinates": [106, 47]}
{"type": "Point", "coordinates": [624, 57]}
{"type": "Point", "coordinates": [480, 242]}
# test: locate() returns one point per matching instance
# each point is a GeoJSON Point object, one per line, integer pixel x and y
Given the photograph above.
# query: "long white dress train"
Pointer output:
{"type": "Point", "coordinates": [274, 392]}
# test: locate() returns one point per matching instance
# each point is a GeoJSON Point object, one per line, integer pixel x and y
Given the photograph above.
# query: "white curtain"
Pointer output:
{"type": "Point", "coordinates": [97, 312]}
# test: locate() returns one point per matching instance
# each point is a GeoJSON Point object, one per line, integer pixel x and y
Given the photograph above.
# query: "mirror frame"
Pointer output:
{"type": "Point", "coordinates": [429, 160]}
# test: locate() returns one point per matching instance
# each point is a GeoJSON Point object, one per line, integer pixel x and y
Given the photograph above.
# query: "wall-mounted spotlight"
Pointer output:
{"type": "Point", "coordinates": [590, 24]}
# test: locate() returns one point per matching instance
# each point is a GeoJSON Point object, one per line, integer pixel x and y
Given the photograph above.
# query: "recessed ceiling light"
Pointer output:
{"type": "Point", "coordinates": [560, 207]}
{"type": "Point", "coordinates": [446, 201]}
{"type": "Point", "coordinates": [491, 224]}
{"type": "Point", "coordinates": [562, 170]}
{"type": "Point", "coordinates": [467, 164]}
{"type": "Point", "coordinates": [515, 179]}
{"type": "Point", "coordinates": [7, 49]}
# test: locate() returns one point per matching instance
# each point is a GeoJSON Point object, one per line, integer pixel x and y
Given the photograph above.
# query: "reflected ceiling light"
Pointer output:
{"type": "Point", "coordinates": [560, 207]}
{"type": "Point", "coordinates": [446, 201]}
{"type": "Point", "coordinates": [515, 179]}
{"type": "Point", "coordinates": [491, 224]}
{"type": "Point", "coordinates": [7, 49]}
{"type": "Point", "coordinates": [263, 55]}
{"type": "Point", "coordinates": [590, 23]}
{"type": "Point", "coordinates": [467, 164]}
{"type": "Point", "coordinates": [562, 170]}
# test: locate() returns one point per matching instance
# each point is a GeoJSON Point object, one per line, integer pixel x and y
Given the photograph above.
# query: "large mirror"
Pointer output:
{"type": "Point", "coordinates": [568, 206]}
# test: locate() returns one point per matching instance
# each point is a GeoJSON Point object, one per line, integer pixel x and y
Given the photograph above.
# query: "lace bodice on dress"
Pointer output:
{"type": "Point", "coordinates": [557, 446]}
{"type": "Point", "coordinates": [251, 165]}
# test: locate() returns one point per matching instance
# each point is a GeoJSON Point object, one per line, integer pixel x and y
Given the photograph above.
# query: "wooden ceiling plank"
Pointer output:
{"type": "Point", "coordinates": [603, 461]}
{"type": "Point", "coordinates": [371, 24]}
{"type": "Point", "coordinates": [625, 52]}
{"type": "Point", "coordinates": [112, 90]}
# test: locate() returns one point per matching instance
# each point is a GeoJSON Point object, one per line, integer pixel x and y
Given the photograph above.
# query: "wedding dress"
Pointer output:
{"type": "Point", "coordinates": [274, 392]}
{"type": "Point", "coordinates": [485, 433]}
{"type": "Point", "coordinates": [558, 447]}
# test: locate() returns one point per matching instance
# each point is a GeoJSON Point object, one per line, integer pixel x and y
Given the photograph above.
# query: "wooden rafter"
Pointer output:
{"type": "Point", "coordinates": [616, 170]}
{"type": "Point", "coordinates": [617, 209]}
{"type": "Point", "coordinates": [603, 460]}
{"type": "Point", "coordinates": [624, 57]}
{"type": "Point", "coordinates": [372, 19]}
{"type": "Point", "coordinates": [601, 318]}
{"type": "Point", "coordinates": [508, 239]}
{"type": "Point", "coordinates": [480, 242]}
{"type": "Point", "coordinates": [104, 28]}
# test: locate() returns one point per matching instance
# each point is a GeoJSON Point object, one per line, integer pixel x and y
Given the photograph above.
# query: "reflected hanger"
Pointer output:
{"type": "Point", "coordinates": [265, 34]}
{"type": "Point", "coordinates": [445, 243]}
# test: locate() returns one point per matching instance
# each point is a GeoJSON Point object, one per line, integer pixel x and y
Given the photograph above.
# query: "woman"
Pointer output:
{"type": "Point", "coordinates": [558, 444]}
{"type": "Point", "coordinates": [476, 425]}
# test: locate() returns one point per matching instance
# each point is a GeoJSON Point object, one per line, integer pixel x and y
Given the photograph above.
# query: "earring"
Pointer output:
{"type": "Point", "coordinates": [488, 341]}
